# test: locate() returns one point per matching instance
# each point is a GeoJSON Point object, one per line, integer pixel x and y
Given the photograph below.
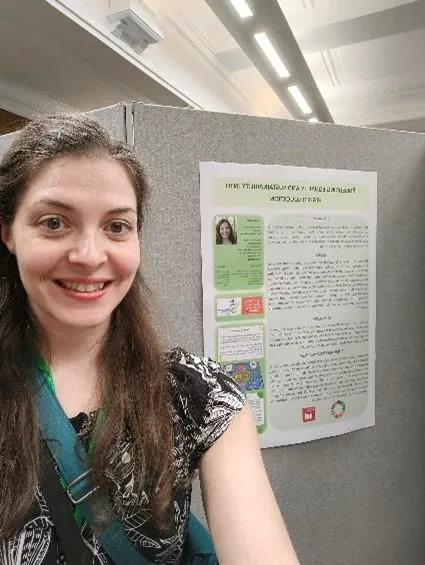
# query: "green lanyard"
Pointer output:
{"type": "Point", "coordinates": [44, 367]}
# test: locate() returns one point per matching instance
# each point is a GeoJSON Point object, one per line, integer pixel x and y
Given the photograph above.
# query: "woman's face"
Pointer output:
{"type": "Point", "coordinates": [225, 230]}
{"type": "Point", "coordinates": [75, 239]}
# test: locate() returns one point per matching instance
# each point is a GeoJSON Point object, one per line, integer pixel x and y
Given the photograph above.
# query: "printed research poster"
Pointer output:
{"type": "Point", "coordinates": [288, 271]}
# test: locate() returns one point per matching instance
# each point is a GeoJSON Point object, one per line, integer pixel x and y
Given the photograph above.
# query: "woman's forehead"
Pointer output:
{"type": "Point", "coordinates": [81, 180]}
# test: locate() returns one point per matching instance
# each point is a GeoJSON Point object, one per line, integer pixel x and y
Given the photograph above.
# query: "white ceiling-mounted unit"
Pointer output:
{"type": "Point", "coordinates": [134, 23]}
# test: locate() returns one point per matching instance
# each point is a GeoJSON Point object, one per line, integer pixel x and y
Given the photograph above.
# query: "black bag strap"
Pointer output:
{"type": "Point", "coordinates": [75, 550]}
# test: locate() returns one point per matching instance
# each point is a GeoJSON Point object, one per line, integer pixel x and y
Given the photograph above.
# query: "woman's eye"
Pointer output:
{"type": "Point", "coordinates": [53, 223]}
{"type": "Point", "coordinates": [119, 228]}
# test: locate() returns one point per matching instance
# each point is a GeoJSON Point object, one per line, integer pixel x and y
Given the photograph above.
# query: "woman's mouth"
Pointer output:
{"type": "Point", "coordinates": [82, 287]}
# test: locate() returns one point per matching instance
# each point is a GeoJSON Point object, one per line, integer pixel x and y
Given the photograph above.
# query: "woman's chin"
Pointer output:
{"type": "Point", "coordinates": [75, 321]}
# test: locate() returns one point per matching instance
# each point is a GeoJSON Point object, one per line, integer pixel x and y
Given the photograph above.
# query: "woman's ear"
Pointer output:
{"type": "Point", "coordinates": [6, 237]}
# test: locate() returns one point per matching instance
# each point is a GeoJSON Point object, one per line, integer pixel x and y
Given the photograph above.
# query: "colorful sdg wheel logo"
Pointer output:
{"type": "Point", "coordinates": [338, 409]}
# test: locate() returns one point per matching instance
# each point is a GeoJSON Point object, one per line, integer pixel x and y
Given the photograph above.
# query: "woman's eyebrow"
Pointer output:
{"type": "Point", "coordinates": [122, 210]}
{"type": "Point", "coordinates": [53, 204]}
{"type": "Point", "coordinates": [69, 208]}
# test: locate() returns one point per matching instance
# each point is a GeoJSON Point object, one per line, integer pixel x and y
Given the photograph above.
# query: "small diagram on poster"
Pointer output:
{"type": "Point", "coordinates": [289, 260]}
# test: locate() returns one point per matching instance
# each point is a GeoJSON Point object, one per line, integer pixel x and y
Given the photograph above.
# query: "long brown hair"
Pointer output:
{"type": "Point", "coordinates": [134, 389]}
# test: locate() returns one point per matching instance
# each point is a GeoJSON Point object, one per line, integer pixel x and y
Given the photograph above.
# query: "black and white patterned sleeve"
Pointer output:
{"type": "Point", "coordinates": [206, 398]}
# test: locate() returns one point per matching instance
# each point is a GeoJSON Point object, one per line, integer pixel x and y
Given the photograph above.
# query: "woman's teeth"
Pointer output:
{"type": "Point", "coordinates": [79, 287]}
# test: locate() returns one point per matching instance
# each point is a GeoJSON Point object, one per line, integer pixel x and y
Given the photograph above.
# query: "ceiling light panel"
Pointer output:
{"type": "Point", "coordinates": [264, 42]}
{"type": "Point", "coordinates": [242, 8]}
{"type": "Point", "coordinates": [298, 96]}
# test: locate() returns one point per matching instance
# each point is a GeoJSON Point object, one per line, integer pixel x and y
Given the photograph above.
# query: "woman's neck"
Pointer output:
{"type": "Point", "coordinates": [66, 344]}
{"type": "Point", "coordinates": [72, 354]}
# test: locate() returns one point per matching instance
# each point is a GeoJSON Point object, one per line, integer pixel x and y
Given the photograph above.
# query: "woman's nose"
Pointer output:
{"type": "Point", "coordinates": [88, 250]}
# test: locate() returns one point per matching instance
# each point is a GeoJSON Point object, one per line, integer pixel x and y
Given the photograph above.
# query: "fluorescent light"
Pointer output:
{"type": "Point", "coordinates": [313, 120]}
{"type": "Point", "coordinates": [271, 53]}
{"type": "Point", "coordinates": [242, 8]}
{"type": "Point", "coordinates": [297, 95]}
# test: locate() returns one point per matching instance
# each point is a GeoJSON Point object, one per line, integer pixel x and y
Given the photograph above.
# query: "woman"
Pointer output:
{"type": "Point", "coordinates": [224, 233]}
{"type": "Point", "coordinates": [73, 303]}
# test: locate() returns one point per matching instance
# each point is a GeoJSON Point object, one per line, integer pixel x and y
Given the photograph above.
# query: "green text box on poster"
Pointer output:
{"type": "Point", "coordinates": [240, 266]}
{"type": "Point", "coordinates": [241, 351]}
{"type": "Point", "coordinates": [291, 194]}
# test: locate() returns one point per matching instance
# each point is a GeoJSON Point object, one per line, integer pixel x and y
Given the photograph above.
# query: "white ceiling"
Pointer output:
{"type": "Point", "coordinates": [367, 57]}
{"type": "Point", "coordinates": [50, 63]}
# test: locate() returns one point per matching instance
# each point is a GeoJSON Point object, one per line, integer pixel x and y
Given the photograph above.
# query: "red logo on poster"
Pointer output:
{"type": "Point", "coordinates": [309, 414]}
{"type": "Point", "coordinates": [252, 305]}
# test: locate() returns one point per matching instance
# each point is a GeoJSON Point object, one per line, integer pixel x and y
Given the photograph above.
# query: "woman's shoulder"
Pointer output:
{"type": "Point", "coordinates": [200, 378]}
{"type": "Point", "coordinates": [205, 397]}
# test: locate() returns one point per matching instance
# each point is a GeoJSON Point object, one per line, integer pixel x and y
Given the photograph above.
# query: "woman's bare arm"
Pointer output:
{"type": "Point", "coordinates": [242, 513]}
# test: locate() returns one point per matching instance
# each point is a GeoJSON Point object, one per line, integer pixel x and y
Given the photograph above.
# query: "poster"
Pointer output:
{"type": "Point", "coordinates": [289, 286]}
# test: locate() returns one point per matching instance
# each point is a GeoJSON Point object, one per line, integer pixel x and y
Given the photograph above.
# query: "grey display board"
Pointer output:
{"type": "Point", "coordinates": [357, 499]}
{"type": "Point", "coordinates": [114, 119]}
